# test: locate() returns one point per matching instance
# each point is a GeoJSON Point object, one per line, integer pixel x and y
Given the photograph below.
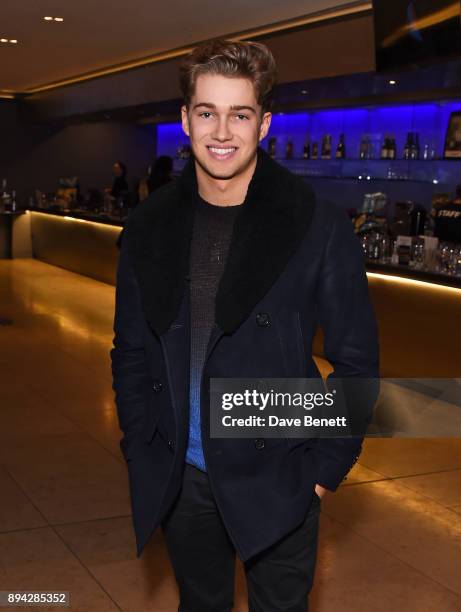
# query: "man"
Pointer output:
{"type": "Point", "coordinates": [226, 273]}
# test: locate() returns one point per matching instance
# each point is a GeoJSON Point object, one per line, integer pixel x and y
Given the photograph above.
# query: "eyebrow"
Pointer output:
{"type": "Point", "coordinates": [233, 107]}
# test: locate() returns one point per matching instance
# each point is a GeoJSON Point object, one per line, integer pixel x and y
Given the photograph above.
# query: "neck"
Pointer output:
{"type": "Point", "coordinates": [225, 192]}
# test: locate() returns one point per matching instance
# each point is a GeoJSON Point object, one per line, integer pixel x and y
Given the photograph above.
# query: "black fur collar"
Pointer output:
{"type": "Point", "coordinates": [276, 213]}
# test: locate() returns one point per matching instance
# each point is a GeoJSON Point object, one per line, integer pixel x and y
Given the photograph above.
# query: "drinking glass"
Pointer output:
{"type": "Point", "coordinates": [385, 249]}
{"type": "Point", "coordinates": [444, 257]}
{"type": "Point", "coordinates": [454, 260]}
{"type": "Point", "coordinates": [418, 253]}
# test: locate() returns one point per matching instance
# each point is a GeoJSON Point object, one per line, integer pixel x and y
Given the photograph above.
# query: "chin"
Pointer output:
{"type": "Point", "coordinates": [218, 171]}
{"type": "Point", "coordinates": [221, 173]}
{"type": "Point", "coordinates": [222, 170]}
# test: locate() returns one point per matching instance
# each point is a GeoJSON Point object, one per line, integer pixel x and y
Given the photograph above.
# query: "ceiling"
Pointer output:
{"type": "Point", "coordinates": [96, 34]}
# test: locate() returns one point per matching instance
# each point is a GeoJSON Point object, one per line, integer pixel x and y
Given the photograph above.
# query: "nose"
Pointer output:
{"type": "Point", "coordinates": [222, 131]}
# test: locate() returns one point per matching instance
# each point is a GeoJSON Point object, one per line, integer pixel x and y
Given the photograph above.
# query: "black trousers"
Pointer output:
{"type": "Point", "coordinates": [279, 578]}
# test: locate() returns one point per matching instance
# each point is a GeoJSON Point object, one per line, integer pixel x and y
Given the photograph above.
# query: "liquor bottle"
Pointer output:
{"type": "Point", "coordinates": [363, 152]}
{"type": "Point", "coordinates": [4, 191]}
{"type": "Point", "coordinates": [13, 201]}
{"type": "Point", "coordinates": [272, 146]}
{"type": "Point", "coordinates": [392, 150]}
{"type": "Point", "coordinates": [307, 149]}
{"type": "Point", "coordinates": [426, 151]}
{"type": "Point", "coordinates": [315, 150]}
{"type": "Point", "coordinates": [341, 148]}
{"type": "Point", "coordinates": [408, 146]}
{"type": "Point", "coordinates": [5, 197]}
{"type": "Point", "coordinates": [326, 147]}
{"type": "Point", "coordinates": [289, 150]}
{"type": "Point", "coordinates": [385, 147]}
{"type": "Point", "coordinates": [414, 150]}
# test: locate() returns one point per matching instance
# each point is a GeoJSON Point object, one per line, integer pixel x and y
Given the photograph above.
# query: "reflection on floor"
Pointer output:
{"type": "Point", "coordinates": [390, 536]}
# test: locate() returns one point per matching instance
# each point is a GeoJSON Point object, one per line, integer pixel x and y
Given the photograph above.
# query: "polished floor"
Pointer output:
{"type": "Point", "coordinates": [390, 536]}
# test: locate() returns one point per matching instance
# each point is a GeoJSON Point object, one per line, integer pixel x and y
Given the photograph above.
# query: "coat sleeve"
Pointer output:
{"type": "Point", "coordinates": [130, 379]}
{"type": "Point", "coordinates": [351, 345]}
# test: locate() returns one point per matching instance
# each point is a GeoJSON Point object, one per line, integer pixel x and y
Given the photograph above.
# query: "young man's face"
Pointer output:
{"type": "Point", "coordinates": [224, 124]}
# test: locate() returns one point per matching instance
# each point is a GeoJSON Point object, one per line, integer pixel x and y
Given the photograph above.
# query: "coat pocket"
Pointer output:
{"type": "Point", "coordinates": [300, 346]}
{"type": "Point", "coordinates": [291, 343]}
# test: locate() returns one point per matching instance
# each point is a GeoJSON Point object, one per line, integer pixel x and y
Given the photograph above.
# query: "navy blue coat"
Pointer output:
{"type": "Point", "coordinates": [293, 260]}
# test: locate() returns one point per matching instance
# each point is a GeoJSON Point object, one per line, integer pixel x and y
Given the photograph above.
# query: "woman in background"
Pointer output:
{"type": "Point", "coordinates": [159, 174]}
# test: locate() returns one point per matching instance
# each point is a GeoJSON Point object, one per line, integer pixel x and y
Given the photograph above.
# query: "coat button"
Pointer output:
{"type": "Point", "coordinates": [157, 386]}
{"type": "Point", "coordinates": [263, 319]}
{"type": "Point", "coordinates": [259, 443]}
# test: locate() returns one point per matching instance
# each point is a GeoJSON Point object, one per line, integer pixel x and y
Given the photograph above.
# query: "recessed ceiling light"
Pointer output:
{"type": "Point", "coordinates": [304, 91]}
{"type": "Point", "coordinates": [392, 82]}
{"type": "Point", "coordinates": [3, 39]}
{"type": "Point", "coordinates": [59, 18]}
{"type": "Point", "coordinates": [14, 41]}
{"type": "Point", "coordinates": [48, 18]}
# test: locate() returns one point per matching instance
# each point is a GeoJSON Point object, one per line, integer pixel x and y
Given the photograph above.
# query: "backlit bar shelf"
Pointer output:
{"type": "Point", "coordinates": [416, 180]}
{"type": "Point", "coordinates": [418, 171]}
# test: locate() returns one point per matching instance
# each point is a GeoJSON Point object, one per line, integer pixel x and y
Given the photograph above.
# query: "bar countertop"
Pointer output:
{"type": "Point", "coordinates": [408, 272]}
{"type": "Point", "coordinates": [393, 270]}
{"type": "Point", "coordinates": [82, 214]}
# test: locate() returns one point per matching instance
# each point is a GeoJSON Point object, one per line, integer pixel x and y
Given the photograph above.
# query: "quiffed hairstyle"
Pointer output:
{"type": "Point", "coordinates": [243, 59]}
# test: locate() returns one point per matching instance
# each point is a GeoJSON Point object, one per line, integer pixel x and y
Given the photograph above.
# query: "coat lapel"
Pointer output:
{"type": "Point", "coordinates": [269, 227]}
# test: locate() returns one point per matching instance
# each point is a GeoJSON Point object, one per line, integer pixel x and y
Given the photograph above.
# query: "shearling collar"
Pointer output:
{"type": "Point", "coordinates": [269, 226]}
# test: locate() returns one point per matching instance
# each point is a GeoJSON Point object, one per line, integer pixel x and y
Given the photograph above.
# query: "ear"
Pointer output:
{"type": "Point", "coordinates": [184, 120]}
{"type": "Point", "coordinates": [265, 124]}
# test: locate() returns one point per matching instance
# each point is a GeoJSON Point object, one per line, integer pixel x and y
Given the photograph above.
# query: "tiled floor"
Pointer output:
{"type": "Point", "coordinates": [390, 536]}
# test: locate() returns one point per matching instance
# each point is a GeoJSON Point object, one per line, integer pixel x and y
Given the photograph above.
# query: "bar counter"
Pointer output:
{"type": "Point", "coordinates": [78, 241]}
{"type": "Point", "coordinates": [84, 215]}
{"type": "Point", "coordinates": [418, 312]}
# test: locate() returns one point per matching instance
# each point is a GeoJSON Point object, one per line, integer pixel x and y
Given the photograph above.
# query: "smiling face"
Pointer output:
{"type": "Point", "coordinates": [225, 124]}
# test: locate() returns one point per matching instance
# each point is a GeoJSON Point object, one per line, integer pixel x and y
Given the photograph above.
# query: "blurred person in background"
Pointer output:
{"type": "Point", "coordinates": [119, 192]}
{"type": "Point", "coordinates": [120, 183]}
{"type": "Point", "coordinates": [160, 173]}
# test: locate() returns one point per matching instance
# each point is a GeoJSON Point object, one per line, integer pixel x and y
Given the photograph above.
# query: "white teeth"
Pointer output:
{"type": "Point", "coordinates": [222, 151]}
